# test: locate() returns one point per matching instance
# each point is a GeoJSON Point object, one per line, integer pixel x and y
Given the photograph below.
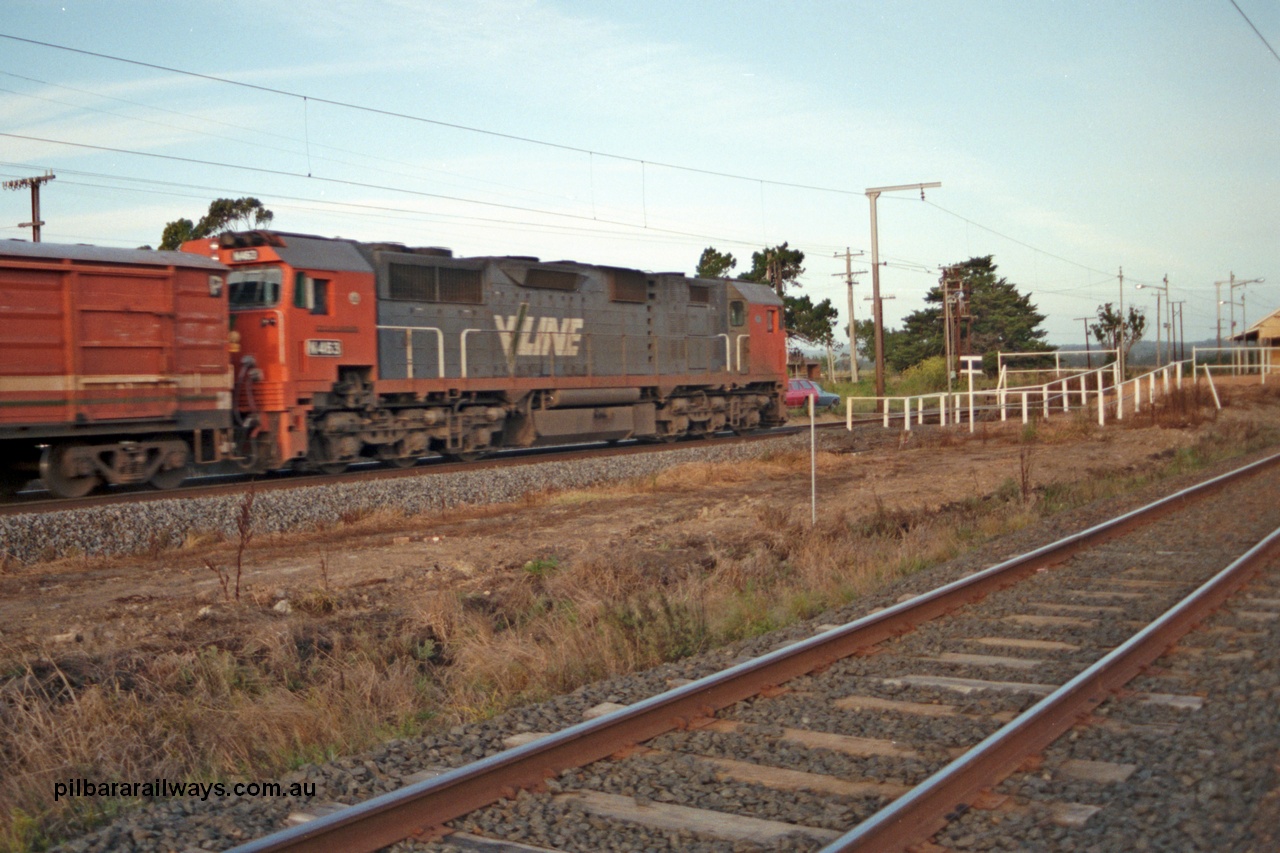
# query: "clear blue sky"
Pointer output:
{"type": "Point", "coordinates": [1138, 135]}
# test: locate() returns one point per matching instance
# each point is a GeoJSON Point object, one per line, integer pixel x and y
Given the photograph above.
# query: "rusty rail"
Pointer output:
{"type": "Point", "coordinates": [921, 812]}
{"type": "Point", "coordinates": [428, 805]}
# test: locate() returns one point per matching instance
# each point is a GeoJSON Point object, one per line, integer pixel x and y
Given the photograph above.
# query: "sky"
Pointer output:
{"type": "Point", "coordinates": [1072, 140]}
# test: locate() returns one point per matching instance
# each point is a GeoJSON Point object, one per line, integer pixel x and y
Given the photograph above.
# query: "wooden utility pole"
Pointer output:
{"type": "Point", "coordinates": [1088, 357]}
{"type": "Point", "coordinates": [34, 183]}
{"type": "Point", "coordinates": [853, 341]}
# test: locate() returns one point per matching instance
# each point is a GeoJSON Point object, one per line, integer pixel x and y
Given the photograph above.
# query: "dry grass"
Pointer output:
{"type": "Point", "coordinates": [249, 692]}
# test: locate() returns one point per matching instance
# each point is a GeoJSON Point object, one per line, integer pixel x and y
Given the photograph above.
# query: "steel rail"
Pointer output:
{"type": "Point", "coordinates": [427, 805]}
{"type": "Point", "coordinates": [921, 812]}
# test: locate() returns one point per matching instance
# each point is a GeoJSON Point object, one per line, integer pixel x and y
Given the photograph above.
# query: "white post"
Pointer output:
{"type": "Point", "coordinates": [813, 463]}
{"type": "Point", "coordinates": [1120, 401]}
{"type": "Point", "coordinates": [1178, 372]}
{"type": "Point", "coordinates": [1212, 387]}
{"type": "Point", "coordinates": [848, 413]}
{"type": "Point", "coordinates": [1004, 413]}
{"type": "Point", "coordinates": [1024, 407]}
{"type": "Point", "coordinates": [885, 400]}
{"type": "Point", "coordinates": [1044, 390]}
{"type": "Point", "coordinates": [942, 410]}
{"type": "Point", "coordinates": [920, 411]}
{"type": "Point", "coordinates": [1066, 396]}
{"type": "Point", "coordinates": [1084, 390]}
{"type": "Point", "coordinates": [906, 413]}
{"type": "Point", "coordinates": [1102, 400]}
{"type": "Point", "coordinates": [1151, 389]}
{"type": "Point", "coordinates": [1137, 396]}
{"type": "Point", "coordinates": [971, 400]}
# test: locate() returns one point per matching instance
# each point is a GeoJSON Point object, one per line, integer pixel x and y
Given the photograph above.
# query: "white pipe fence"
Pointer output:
{"type": "Point", "coordinates": [1098, 389]}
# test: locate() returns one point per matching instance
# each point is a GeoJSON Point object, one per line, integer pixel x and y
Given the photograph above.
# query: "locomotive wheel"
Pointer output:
{"type": "Point", "coordinates": [170, 478]}
{"type": "Point", "coordinates": [386, 458]}
{"type": "Point", "coordinates": [165, 480]}
{"type": "Point", "coordinates": [55, 477]}
{"type": "Point", "coordinates": [332, 467]}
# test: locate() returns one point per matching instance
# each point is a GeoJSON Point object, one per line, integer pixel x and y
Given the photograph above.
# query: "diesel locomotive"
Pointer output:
{"type": "Point", "coordinates": [276, 350]}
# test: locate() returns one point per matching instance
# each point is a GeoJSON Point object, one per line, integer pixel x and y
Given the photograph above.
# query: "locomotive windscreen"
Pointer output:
{"type": "Point", "coordinates": [254, 288]}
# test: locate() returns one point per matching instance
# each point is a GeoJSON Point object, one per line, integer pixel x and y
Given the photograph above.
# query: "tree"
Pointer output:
{"type": "Point", "coordinates": [225, 214]}
{"type": "Point", "coordinates": [714, 264]}
{"type": "Point", "coordinates": [1118, 333]}
{"type": "Point", "coordinates": [811, 323]}
{"type": "Point", "coordinates": [1002, 319]}
{"type": "Point", "coordinates": [780, 267]}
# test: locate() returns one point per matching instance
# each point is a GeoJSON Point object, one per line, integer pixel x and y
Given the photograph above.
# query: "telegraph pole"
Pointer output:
{"type": "Point", "coordinates": [1120, 335]}
{"type": "Point", "coordinates": [1088, 356]}
{"type": "Point", "coordinates": [853, 344]}
{"type": "Point", "coordinates": [34, 184]}
{"type": "Point", "coordinates": [873, 193]}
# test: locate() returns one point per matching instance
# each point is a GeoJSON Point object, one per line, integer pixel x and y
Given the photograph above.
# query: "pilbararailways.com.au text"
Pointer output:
{"type": "Point", "coordinates": [167, 788]}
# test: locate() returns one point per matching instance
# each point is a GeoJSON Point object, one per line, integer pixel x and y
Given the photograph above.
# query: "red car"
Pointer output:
{"type": "Point", "coordinates": [798, 390]}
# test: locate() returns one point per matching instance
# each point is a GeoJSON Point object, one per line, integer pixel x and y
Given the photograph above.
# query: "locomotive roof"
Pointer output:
{"type": "Point", "coordinates": [105, 255]}
{"type": "Point", "coordinates": [757, 294]}
{"type": "Point", "coordinates": [308, 252]}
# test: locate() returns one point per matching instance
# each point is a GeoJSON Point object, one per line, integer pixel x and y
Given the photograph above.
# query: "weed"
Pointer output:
{"type": "Point", "coordinates": [542, 566]}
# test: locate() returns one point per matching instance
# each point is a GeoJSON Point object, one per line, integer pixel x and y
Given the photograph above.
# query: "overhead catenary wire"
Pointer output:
{"type": "Point", "coordinates": [307, 144]}
{"type": "Point", "coordinates": [425, 120]}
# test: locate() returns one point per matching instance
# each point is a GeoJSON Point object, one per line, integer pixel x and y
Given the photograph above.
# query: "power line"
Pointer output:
{"type": "Point", "coordinates": [436, 122]}
{"type": "Point", "coordinates": [1255, 29]}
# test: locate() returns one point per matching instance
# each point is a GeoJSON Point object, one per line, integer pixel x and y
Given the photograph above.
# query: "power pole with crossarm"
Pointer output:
{"type": "Point", "coordinates": [34, 183]}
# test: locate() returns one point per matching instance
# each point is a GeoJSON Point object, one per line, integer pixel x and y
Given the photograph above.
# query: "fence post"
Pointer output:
{"type": "Point", "coordinates": [1004, 411]}
{"type": "Point", "coordinates": [1178, 371]}
{"type": "Point", "coordinates": [1207, 375]}
{"type": "Point", "coordinates": [1102, 400]}
{"type": "Point", "coordinates": [886, 402]}
{"type": "Point", "coordinates": [906, 413]}
{"type": "Point", "coordinates": [1044, 390]}
{"type": "Point", "coordinates": [1024, 407]}
{"type": "Point", "coordinates": [1066, 396]}
{"type": "Point", "coordinates": [1120, 401]}
{"type": "Point", "coordinates": [942, 410]}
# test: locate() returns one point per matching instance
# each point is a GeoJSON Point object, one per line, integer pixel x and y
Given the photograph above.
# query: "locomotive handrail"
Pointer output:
{"type": "Point", "coordinates": [728, 353]}
{"type": "Point", "coordinates": [739, 346]}
{"type": "Point", "coordinates": [408, 347]}
{"type": "Point", "coordinates": [462, 349]}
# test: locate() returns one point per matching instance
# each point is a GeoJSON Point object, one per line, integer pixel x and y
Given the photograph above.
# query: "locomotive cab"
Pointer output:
{"type": "Point", "coordinates": [301, 312]}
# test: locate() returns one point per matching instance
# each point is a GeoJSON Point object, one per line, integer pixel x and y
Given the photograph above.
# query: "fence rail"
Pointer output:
{"type": "Point", "coordinates": [1100, 389]}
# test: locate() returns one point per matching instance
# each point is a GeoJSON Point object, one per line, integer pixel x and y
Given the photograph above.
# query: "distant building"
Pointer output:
{"type": "Point", "coordinates": [1265, 334]}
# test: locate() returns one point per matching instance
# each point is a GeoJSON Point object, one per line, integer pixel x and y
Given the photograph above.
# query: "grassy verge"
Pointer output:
{"type": "Point", "coordinates": [244, 691]}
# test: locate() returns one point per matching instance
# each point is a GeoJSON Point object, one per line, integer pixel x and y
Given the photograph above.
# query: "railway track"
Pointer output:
{"type": "Point", "coordinates": [954, 715]}
{"type": "Point", "coordinates": [36, 500]}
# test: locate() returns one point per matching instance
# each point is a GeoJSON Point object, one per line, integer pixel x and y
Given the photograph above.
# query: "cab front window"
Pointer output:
{"type": "Point", "coordinates": [257, 287]}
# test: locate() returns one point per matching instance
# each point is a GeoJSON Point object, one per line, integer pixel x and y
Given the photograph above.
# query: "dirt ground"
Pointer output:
{"type": "Point", "coordinates": [150, 601]}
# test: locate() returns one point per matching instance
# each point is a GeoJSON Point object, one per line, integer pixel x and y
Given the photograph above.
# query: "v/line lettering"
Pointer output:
{"type": "Point", "coordinates": [540, 336]}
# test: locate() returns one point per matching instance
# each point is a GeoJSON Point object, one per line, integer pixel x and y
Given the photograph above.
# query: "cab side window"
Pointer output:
{"type": "Point", "coordinates": [737, 313]}
{"type": "Point", "coordinates": [311, 294]}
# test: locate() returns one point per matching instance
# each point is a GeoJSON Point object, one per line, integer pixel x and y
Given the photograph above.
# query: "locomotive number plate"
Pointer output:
{"type": "Point", "coordinates": [332, 349]}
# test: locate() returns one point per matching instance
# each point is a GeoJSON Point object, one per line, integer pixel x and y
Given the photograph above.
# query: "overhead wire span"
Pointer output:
{"type": "Point", "coordinates": [423, 119]}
